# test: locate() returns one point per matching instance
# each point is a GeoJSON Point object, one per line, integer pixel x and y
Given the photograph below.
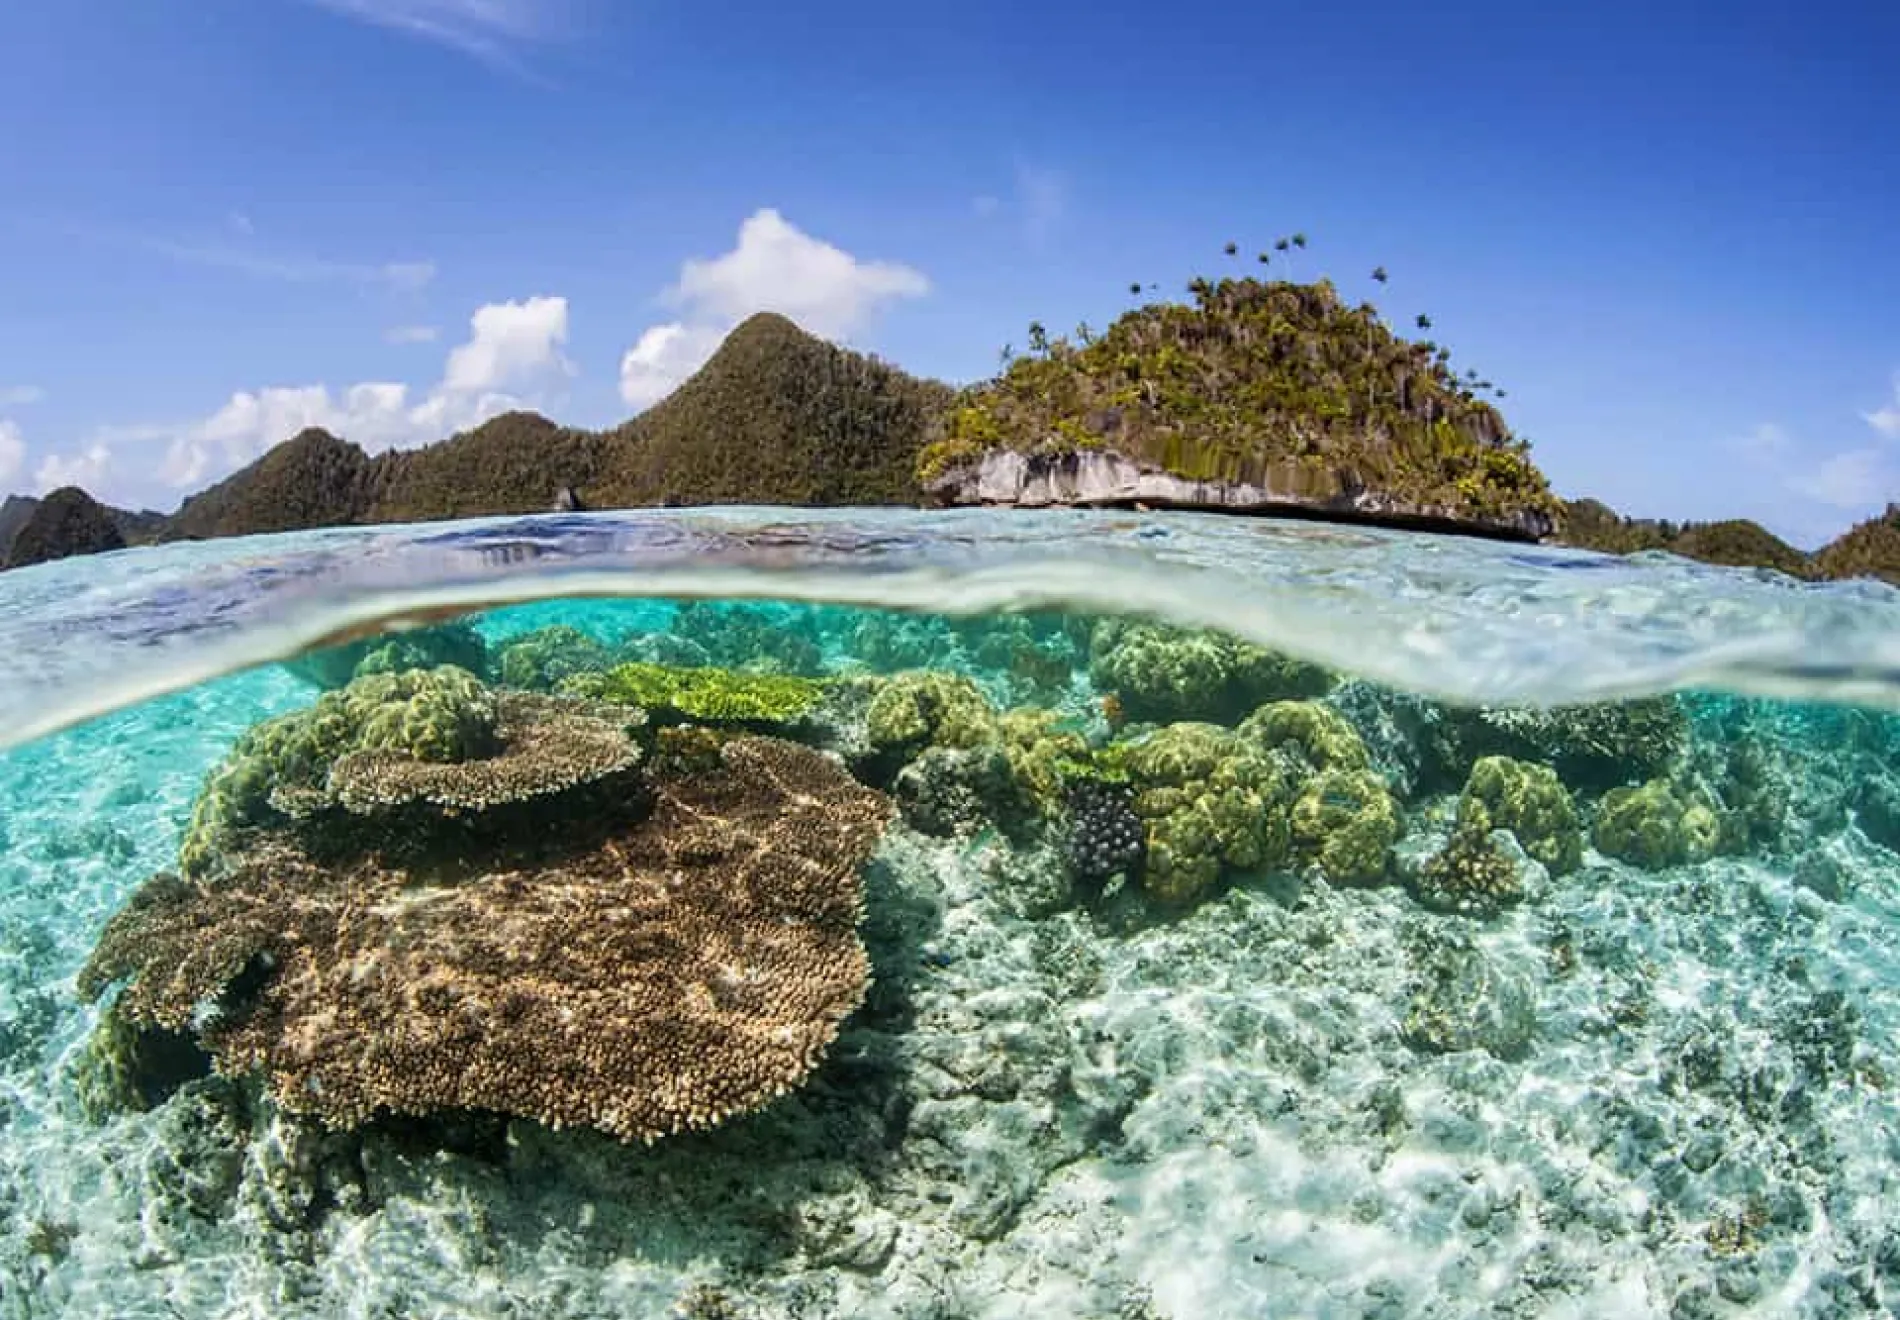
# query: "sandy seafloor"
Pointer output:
{"type": "Point", "coordinates": [1673, 1094]}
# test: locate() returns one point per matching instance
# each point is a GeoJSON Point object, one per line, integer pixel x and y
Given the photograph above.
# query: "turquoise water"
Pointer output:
{"type": "Point", "coordinates": [982, 915]}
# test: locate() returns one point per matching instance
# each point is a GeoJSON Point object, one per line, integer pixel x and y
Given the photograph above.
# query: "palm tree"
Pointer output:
{"type": "Point", "coordinates": [1424, 321]}
{"type": "Point", "coordinates": [1038, 338]}
{"type": "Point", "coordinates": [1378, 274]}
{"type": "Point", "coordinates": [1134, 288]}
{"type": "Point", "coordinates": [1231, 248]}
{"type": "Point", "coordinates": [1299, 241]}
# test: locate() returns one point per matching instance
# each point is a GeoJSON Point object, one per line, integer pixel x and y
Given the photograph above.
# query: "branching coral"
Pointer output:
{"type": "Point", "coordinates": [683, 966]}
{"type": "Point", "coordinates": [765, 638]}
{"type": "Point", "coordinates": [1596, 746]}
{"type": "Point", "coordinates": [1473, 874]}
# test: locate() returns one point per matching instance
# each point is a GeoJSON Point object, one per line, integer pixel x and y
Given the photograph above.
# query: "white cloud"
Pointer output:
{"type": "Point", "coordinates": [1043, 196]}
{"type": "Point", "coordinates": [401, 276]}
{"type": "Point", "coordinates": [1766, 443]}
{"type": "Point", "coordinates": [484, 29]}
{"type": "Point", "coordinates": [411, 334]}
{"type": "Point", "coordinates": [1855, 480]}
{"type": "Point", "coordinates": [88, 469]}
{"type": "Point", "coordinates": [12, 449]}
{"type": "Point", "coordinates": [510, 343]}
{"type": "Point", "coordinates": [775, 267]}
{"type": "Point", "coordinates": [664, 356]}
{"type": "Point", "coordinates": [18, 396]}
{"type": "Point", "coordinates": [1038, 201]}
{"type": "Point", "coordinates": [513, 351]}
{"type": "Point", "coordinates": [1887, 420]}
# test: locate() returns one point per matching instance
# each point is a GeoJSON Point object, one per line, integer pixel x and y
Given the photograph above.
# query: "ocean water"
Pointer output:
{"type": "Point", "coordinates": [784, 914]}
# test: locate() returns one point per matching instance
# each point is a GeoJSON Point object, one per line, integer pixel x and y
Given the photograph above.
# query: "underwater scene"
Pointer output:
{"type": "Point", "coordinates": [673, 916]}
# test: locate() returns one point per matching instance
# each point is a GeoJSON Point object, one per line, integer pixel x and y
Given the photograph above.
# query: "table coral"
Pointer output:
{"type": "Point", "coordinates": [660, 972]}
{"type": "Point", "coordinates": [441, 714]}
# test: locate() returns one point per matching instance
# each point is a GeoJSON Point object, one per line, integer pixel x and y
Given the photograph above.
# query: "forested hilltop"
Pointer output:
{"type": "Point", "coordinates": [1278, 387]}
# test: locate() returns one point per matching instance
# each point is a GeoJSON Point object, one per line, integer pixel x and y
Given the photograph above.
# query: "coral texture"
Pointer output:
{"type": "Point", "coordinates": [683, 966]}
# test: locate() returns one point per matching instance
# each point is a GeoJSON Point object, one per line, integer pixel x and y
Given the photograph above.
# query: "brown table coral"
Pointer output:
{"type": "Point", "coordinates": [649, 975]}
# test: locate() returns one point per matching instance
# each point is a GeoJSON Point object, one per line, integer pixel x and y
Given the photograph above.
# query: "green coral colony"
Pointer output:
{"type": "Point", "coordinates": [717, 784]}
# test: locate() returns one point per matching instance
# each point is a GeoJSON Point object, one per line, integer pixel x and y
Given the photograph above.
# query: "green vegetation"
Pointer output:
{"type": "Point", "coordinates": [777, 416]}
{"type": "Point", "coordinates": [519, 462]}
{"type": "Point", "coordinates": [1274, 383]}
{"type": "Point", "coordinates": [1869, 549]}
{"type": "Point", "coordinates": [311, 480]}
{"type": "Point", "coordinates": [66, 522]}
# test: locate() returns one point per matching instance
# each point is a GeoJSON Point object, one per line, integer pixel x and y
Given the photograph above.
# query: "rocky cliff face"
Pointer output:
{"type": "Point", "coordinates": [1102, 477]}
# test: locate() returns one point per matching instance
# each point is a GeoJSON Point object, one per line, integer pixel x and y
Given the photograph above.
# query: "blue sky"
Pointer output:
{"type": "Point", "coordinates": [1670, 239]}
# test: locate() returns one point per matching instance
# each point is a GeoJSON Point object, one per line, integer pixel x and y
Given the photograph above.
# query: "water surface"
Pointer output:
{"type": "Point", "coordinates": [1198, 985]}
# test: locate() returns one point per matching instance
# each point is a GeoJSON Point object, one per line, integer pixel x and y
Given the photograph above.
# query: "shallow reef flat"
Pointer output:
{"type": "Point", "coordinates": [1196, 982]}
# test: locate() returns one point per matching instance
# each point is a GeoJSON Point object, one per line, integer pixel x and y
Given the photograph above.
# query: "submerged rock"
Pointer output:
{"type": "Point", "coordinates": [1467, 1000]}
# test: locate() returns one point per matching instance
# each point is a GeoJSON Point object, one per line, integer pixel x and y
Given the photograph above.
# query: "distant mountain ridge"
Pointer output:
{"type": "Point", "coordinates": [779, 416]}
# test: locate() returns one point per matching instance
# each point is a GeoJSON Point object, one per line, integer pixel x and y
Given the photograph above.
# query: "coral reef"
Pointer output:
{"type": "Point", "coordinates": [1476, 874]}
{"type": "Point", "coordinates": [1346, 823]}
{"type": "Point", "coordinates": [684, 965]}
{"type": "Point", "coordinates": [705, 695]}
{"type": "Point", "coordinates": [928, 708]}
{"type": "Point", "coordinates": [1106, 837]}
{"type": "Point", "coordinates": [453, 643]}
{"type": "Point", "coordinates": [1311, 731]}
{"type": "Point", "coordinates": [762, 638]}
{"type": "Point", "coordinates": [1212, 802]}
{"type": "Point", "coordinates": [1657, 824]}
{"type": "Point", "coordinates": [1531, 802]}
{"type": "Point", "coordinates": [1162, 674]}
{"type": "Point", "coordinates": [1592, 747]}
{"type": "Point", "coordinates": [541, 660]}
{"type": "Point", "coordinates": [284, 765]}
